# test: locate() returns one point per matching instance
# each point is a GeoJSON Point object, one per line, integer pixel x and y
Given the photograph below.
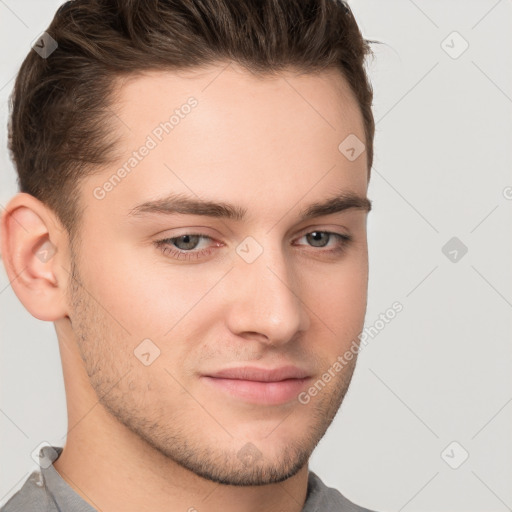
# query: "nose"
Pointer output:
{"type": "Point", "coordinates": [265, 300]}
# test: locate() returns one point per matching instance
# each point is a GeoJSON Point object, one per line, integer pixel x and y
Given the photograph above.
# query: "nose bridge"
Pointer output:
{"type": "Point", "coordinates": [267, 297]}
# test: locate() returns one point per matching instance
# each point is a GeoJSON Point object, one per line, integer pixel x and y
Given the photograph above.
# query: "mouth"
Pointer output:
{"type": "Point", "coordinates": [259, 385]}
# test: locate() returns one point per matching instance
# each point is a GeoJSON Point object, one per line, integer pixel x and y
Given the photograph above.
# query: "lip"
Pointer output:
{"type": "Point", "coordinates": [254, 373]}
{"type": "Point", "coordinates": [267, 386]}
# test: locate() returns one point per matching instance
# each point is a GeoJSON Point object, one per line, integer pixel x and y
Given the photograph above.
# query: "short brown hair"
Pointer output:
{"type": "Point", "coordinates": [59, 122]}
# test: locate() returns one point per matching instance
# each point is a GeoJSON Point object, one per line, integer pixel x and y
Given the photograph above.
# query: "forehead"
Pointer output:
{"type": "Point", "coordinates": [225, 90]}
{"type": "Point", "coordinates": [223, 131]}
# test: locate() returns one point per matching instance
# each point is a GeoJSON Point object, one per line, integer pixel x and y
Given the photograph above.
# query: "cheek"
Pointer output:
{"type": "Point", "coordinates": [338, 297]}
{"type": "Point", "coordinates": [148, 297]}
{"type": "Point", "coordinates": [125, 288]}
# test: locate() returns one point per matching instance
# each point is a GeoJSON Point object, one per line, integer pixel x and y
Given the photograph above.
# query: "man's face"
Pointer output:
{"type": "Point", "coordinates": [160, 309]}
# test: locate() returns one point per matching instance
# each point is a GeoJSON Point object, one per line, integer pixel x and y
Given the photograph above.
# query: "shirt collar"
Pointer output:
{"type": "Point", "coordinates": [61, 492]}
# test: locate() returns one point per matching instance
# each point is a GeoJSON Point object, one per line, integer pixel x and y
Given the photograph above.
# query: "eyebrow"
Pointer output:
{"type": "Point", "coordinates": [180, 204]}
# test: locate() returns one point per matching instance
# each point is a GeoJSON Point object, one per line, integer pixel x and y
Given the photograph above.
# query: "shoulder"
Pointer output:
{"type": "Point", "coordinates": [327, 499]}
{"type": "Point", "coordinates": [32, 497]}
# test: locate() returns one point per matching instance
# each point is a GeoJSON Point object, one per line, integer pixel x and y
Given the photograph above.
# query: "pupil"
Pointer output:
{"type": "Point", "coordinates": [187, 241]}
{"type": "Point", "coordinates": [316, 237]}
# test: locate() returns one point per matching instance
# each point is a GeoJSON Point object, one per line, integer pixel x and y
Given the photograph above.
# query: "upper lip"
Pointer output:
{"type": "Point", "coordinates": [260, 374]}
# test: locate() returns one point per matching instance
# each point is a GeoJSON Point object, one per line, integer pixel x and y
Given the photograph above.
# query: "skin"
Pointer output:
{"type": "Point", "coordinates": [159, 434]}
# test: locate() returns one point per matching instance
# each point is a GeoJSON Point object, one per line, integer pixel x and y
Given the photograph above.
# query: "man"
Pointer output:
{"type": "Point", "coordinates": [192, 219]}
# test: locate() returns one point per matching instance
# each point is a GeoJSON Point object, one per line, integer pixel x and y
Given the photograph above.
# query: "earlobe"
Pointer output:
{"type": "Point", "coordinates": [31, 241]}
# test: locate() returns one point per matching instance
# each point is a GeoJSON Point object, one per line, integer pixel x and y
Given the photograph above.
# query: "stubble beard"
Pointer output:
{"type": "Point", "coordinates": [182, 442]}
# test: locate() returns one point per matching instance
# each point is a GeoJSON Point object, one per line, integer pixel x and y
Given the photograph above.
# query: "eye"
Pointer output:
{"type": "Point", "coordinates": [186, 247]}
{"type": "Point", "coordinates": [186, 242]}
{"type": "Point", "coordinates": [318, 238]}
{"type": "Point", "coordinates": [321, 239]}
{"type": "Point", "coordinates": [196, 246]}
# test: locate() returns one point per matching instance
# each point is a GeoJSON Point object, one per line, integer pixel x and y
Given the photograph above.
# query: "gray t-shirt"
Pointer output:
{"type": "Point", "coordinates": [46, 491]}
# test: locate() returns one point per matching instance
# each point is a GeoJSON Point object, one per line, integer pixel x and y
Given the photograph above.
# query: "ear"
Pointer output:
{"type": "Point", "coordinates": [34, 247]}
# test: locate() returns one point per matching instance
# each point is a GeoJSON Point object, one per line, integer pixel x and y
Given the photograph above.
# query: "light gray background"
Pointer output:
{"type": "Point", "coordinates": [441, 370]}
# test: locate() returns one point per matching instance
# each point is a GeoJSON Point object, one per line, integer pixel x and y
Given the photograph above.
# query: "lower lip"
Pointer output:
{"type": "Point", "coordinates": [267, 393]}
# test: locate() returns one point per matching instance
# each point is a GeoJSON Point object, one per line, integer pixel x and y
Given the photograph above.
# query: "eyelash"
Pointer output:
{"type": "Point", "coordinates": [165, 245]}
